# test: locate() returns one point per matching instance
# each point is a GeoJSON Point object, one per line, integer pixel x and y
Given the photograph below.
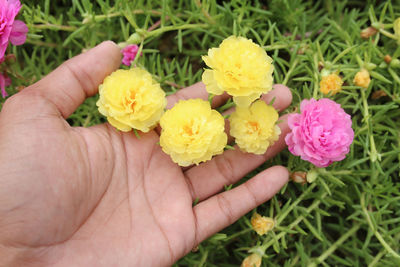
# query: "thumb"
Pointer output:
{"type": "Point", "coordinates": [79, 77]}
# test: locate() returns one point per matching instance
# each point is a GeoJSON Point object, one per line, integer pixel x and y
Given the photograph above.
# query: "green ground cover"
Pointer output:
{"type": "Point", "coordinates": [350, 214]}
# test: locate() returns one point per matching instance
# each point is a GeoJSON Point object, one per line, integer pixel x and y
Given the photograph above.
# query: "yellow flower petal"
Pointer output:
{"type": "Point", "coordinates": [211, 83]}
{"type": "Point", "coordinates": [131, 99]}
{"type": "Point", "coordinates": [192, 132]}
{"type": "Point", "coordinates": [120, 126]}
{"type": "Point", "coordinates": [254, 127]}
{"type": "Point", "coordinates": [245, 101]}
{"type": "Point", "coordinates": [239, 67]}
{"type": "Point", "coordinates": [262, 224]}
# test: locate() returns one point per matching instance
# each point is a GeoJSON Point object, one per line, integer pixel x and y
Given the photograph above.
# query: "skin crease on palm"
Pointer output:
{"type": "Point", "coordinates": [72, 196]}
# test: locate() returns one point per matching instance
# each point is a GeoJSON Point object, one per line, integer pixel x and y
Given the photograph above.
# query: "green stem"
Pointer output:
{"type": "Point", "coordinates": [275, 47]}
{"type": "Point", "coordinates": [55, 27]}
{"type": "Point", "coordinates": [292, 67]}
{"type": "Point", "coordinates": [374, 155]}
{"type": "Point", "coordinates": [138, 54]}
{"type": "Point", "coordinates": [174, 28]}
{"type": "Point", "coordinates": [316, 84]}
{"type": "Point", "coordinates": [388, 34]}
{"type": "Point", "coordinates": [280, 218]}
{"type": "Point", "coordinates": [203, 259]}
{"type": "Point", "coordinates": [41, 43]}
{"type": "Point", "coordinates": [314, 205]}
{"type": "Point", "coordinates": [335, 245]}
{"type": "Point", "coordinates": [375, 231]}
{"type": "Point", "coordinates": [377, 258]}
{"type": "Point", "coordinates": [89, 18]}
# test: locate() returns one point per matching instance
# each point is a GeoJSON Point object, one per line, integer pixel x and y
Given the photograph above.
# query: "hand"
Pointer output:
{"type": "Point", "coordinates": [73, 196]}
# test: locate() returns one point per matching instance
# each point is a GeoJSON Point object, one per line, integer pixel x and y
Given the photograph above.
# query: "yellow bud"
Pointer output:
{"type": "Point", "coordinates": [253, 260]}
{"type": "Point", "coordinates": [362, 78]}
{"type": "Point", "coordinates": [262, 224]}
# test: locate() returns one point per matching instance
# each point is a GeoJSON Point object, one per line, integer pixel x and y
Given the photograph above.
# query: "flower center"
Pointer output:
{"type": "Point", "coordinates": [252, 127]}
{"type": "Point", "coordinates": [130, 100]}
{"type": "Point", "coordinates": [188, 129]}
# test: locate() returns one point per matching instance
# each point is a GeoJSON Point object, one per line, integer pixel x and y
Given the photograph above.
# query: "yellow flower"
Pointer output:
{"type": "Point", "coordinates": [262, 224]}
{"type": "Point", "coordinates": [131, 99]}
{"type": "Point", "coordinates": [362, 78]}
{"type": "Point", "coordinates": [241, 68]}
{"type": "Point", "coordinates": [254, 127]}
{"type": "Point", "coordinates": [192, 132]}
{"type": "Point", "coordinates": [253, 260]}
{"type": "Point", "coordinates": [331, 83]}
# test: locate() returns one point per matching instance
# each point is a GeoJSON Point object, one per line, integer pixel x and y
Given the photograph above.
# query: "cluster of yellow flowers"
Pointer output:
{"type": "Point", "coordinates": [192, 132]}
{"type": "Point", "coordinates": [244, 70]}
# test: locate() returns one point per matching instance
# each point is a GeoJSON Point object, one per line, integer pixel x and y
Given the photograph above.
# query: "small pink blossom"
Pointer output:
{"type": "Point", "coordinates": [10, 29]}
{"type": "Point", "coordinates": [4, 81]}
{"type": "Point", "coordinates": [321, 133]}
{"type": "Point", "coordinates": [129, 53]}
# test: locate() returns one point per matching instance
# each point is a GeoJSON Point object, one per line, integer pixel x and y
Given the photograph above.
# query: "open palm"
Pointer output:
{"type": "Point", "coordinates": [98, 197]}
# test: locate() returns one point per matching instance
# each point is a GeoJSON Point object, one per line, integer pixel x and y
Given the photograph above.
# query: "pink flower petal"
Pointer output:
{"type": "Point", "coordinates": [321, 133]}
{"type": "Point", "coordinates": [4, 81]}
{"type": "Point", "coordinates": [18, 33]}
{"type": "Point", "coordinates": [129, 53]}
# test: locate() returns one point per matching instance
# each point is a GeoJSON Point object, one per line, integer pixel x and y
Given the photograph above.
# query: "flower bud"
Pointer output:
{"type": "Point", "coordinates": [362, 78]}
{"type": "Point", "coordinates": [387, 59]}
{"type": "Point", "coordinates": [378, 94]}
{"type": "Point", "coordinates": [253, 260]}
{"type": "Point", "coordinates": [395, 63]}
{"type": "Point", "coordinates": [312, 176]}
{"type": "Point", "coordinates": [299, 177]}
{"type": "Point", "coordinates": [134, 38]}
{"type": "Point", "coordinates": [261, 224]}
{"type": "Point", "coordinates": [368, 32]}
{"type": "Point", "coordinates": [370, 66]}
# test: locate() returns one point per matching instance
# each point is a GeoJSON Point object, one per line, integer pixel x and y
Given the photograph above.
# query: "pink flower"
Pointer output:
{"type": "Point", "coordinates": [10, 29]}
{"type": "Point", "coordinates": [4, 81]}
{"type": "Point", "coordinates": [321, 133]}
{"type": "Point", "coordinates": [129, 53]}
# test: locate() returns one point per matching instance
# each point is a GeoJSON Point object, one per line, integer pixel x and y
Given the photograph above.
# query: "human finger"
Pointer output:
{"type": "Point", "coordinates": [223, 209]}
{"type": "Point", "coordinates": [280, 97]}
{"type": "Point", "coordinates": [210, 177]}
{"type": "Point", "coordinates": [197, 90]}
